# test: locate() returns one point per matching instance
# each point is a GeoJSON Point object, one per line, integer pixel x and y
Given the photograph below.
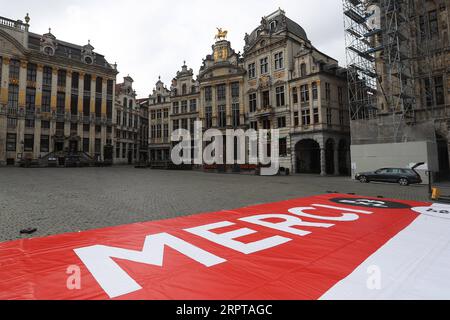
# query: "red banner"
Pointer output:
{"type": "Point", "coordinates": [296, 249]}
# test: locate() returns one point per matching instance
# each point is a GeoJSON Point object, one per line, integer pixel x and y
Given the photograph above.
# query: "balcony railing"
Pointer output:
{"type": "Point", "coordinates": [13, 24]}
{"type": "Point", "coordinates": [98, 120]}
{"type": "Point", "coordinates": [60, 117]}
{"type": "Point", "coordinates": [30, 114]}
{"type": "Point", "coordinates": [12, 111]}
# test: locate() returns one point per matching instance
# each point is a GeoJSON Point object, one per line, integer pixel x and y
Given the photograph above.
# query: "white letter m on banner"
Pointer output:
{"type": "Point", "coordinates": [115, 281]}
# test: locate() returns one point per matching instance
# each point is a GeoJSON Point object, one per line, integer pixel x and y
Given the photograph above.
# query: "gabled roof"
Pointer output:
{"type": "Point", "coordinates": [67, 50]}
{"type": "Point", "coordinates": [282, 24]}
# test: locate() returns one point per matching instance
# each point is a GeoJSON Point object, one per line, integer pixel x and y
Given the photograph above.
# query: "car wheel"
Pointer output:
{"type": "Point", "coordinates": [403, 182]}
{"type": "Point", "coordinates": [363, 179]}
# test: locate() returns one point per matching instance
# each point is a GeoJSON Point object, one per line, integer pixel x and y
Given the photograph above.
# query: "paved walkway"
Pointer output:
{"type": "Point", "coordinates": [69, 200]}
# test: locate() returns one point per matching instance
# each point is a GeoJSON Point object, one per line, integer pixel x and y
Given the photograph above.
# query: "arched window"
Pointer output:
{"type": "Point", "coordinates": [273, 25]}
{"type": "Point", "coordinates": [131, 104]}
{"type": "Point", "coordinates": [314, 91]}
{"type": "Point", "coordinates": [125, 102]}
{"type": "Point", "coordinates": [184, 90]}
{"type": "Point", "coordinates": [303, 70]}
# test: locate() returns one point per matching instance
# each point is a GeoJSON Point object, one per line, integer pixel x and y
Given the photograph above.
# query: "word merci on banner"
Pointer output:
{"type": "Point", "coordinates": [298, 249]}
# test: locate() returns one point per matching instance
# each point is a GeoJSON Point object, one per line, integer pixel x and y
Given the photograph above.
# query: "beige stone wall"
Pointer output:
{"type": "Point", "coordinates": [19, 115]}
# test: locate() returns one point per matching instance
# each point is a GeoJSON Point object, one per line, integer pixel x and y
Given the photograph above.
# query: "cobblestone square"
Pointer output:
{"type": "Point", "coordinates": [58, 201]}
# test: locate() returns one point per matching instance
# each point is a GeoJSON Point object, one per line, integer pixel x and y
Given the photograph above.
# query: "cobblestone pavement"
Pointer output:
{"type": "Point", "coordinates": [69, 200]}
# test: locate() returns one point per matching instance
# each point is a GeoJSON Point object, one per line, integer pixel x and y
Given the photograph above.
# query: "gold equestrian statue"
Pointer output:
{"type": "Point", "coordinates": [221, 34]}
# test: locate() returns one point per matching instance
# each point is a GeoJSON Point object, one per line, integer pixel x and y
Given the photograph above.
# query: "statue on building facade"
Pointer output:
{"type": "Point", "coordinates": [221, 34]}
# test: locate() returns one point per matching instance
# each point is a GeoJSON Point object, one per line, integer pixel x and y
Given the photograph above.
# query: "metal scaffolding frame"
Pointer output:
{"type": "Point", "coordinates": [360, 54]}
{"type": "Point", "coordinates": [379, 58]}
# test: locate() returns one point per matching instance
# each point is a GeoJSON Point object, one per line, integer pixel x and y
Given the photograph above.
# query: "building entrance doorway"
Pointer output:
{"type": "Point", "coordinates": [130, 157]}
{"type": "Point", "coordinates": [59, 146]}
{"type": "Point", "coordinates": [73, 146]}
{"type": "Point", "coordinates": [307, 153]}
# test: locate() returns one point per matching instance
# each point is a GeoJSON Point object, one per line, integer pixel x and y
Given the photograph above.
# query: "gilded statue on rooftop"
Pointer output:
{"type": "Point", "coordinates": [221, 34]}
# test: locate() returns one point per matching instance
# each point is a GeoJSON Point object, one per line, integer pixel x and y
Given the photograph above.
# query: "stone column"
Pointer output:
{"type": "Point", "coordinates": [320, 106]}
{"type": "Point", "coordinates": [336, 160]}
{"type": "Point", "coordinates": [39, 80]}
{"type": "Point", "coordinates": [323, 162]}
{"type": "Point", "coordinates": [215, 109]}
{"type": "Point", "coordinates": [54, 89]}
{"type": "Point", "coordinates": [37, 139]}
{"type": "Point", "coordinates": [3, 130]}
{"type": "Point", "coordinates": [3, 109]}
{"type": "Point", "coordinates": [5, 81]}
{"type": "Point", "coordinates": [92, 132]}
{"type": "Point", "coordinates": [103, 135]}
{"type": "Point", "coordinates": [21, 119]}
{"type": "Point", "coordinates": [38, 105]}
{"type": "Point", "coordinates": [22, 83]}
{"type": "Point", "coordinates": [68, 90]}
{"type": "Point", "coordinates": [68, 99]}
{"type": "Point", "coordinates": [80, 108]}
{"type": "Point", "coordinates": [228, 103]}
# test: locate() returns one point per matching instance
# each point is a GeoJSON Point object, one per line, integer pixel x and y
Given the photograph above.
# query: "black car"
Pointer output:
{"type": "Point", "coordinates": [402, 176]}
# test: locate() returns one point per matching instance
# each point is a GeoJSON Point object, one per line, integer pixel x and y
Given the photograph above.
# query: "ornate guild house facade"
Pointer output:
{"type": "Point", "coordinates": [60, 100]}
{"type": "Point", "coordinates": [127, 124]}
{"type": "Point", "coordinates": [281, 81]}
{"type": "Point", "coordinates": [293, 87]}
{"type": "Point", "coordinates": [160, 127]}
{"type": "Point", "coordinates": [56, 98]}
{"type": "Point", "coordinates": [185, 100]}
{"type": "Point", "coordinates": [221, 81]}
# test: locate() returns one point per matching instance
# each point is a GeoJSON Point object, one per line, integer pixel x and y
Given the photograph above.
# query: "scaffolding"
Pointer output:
{"type": "Point", "coordinates": [380, 67]}
{"type": "Point", "coordinates": [361, 64]}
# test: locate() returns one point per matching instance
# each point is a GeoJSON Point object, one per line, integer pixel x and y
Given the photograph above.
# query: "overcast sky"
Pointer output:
{"type": "Point", "coordinates": [154, 37]}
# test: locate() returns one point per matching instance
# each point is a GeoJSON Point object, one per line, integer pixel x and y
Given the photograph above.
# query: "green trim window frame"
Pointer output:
{"type": "Point", "coordinates": [11, 142]}
{"type": "Point", "coordinates": [14, 69]}
{"type": "Point", "coordinates": [236, 115]}
{"type": "Point", "coordinates": [47, 76]}
{"type": "Point", "coordinates": [45, 143]}
{"type": "Point", "coordinates": [264, 64]}
{"type": "Point", "coordinates": [252, 102]}
{"type": "Point", "coordinates": [280, 98]}
{"type": "Point", "coordinates": [60, 103]}
{"type": "Point", "coordinates": [30, 100]}
{"type": "Point", "coordinates": [62, 78]}
{"type": "Point", "coordinates": [46, 100]}
{"type": "Point", "coordinates": [28, 143]}
{"type": "Point", "coordinates": [221, 92]}
{"type": "Point", "coordinates": [31, 72]}
{"type": "Point", "coordinates": [252, 70]}
{"type": "Point", "coordinates": [222, 116]}
{"type": "Point", "coordinates": [279, 61]}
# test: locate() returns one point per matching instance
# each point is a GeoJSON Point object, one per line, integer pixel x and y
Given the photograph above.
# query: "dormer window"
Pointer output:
{"type": "Point", "coordinates": [88, 60]}
{"type": "Point", "coordinates": [49, 51]}
{"type": "Point", "coordinates": [48, 44]}
{"type": "Point", "coordinates": [303, 70]}
{"type": "Point", "coordinates": [87, 53]}
{"type": "Point", "coordinates": [273, 25]}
